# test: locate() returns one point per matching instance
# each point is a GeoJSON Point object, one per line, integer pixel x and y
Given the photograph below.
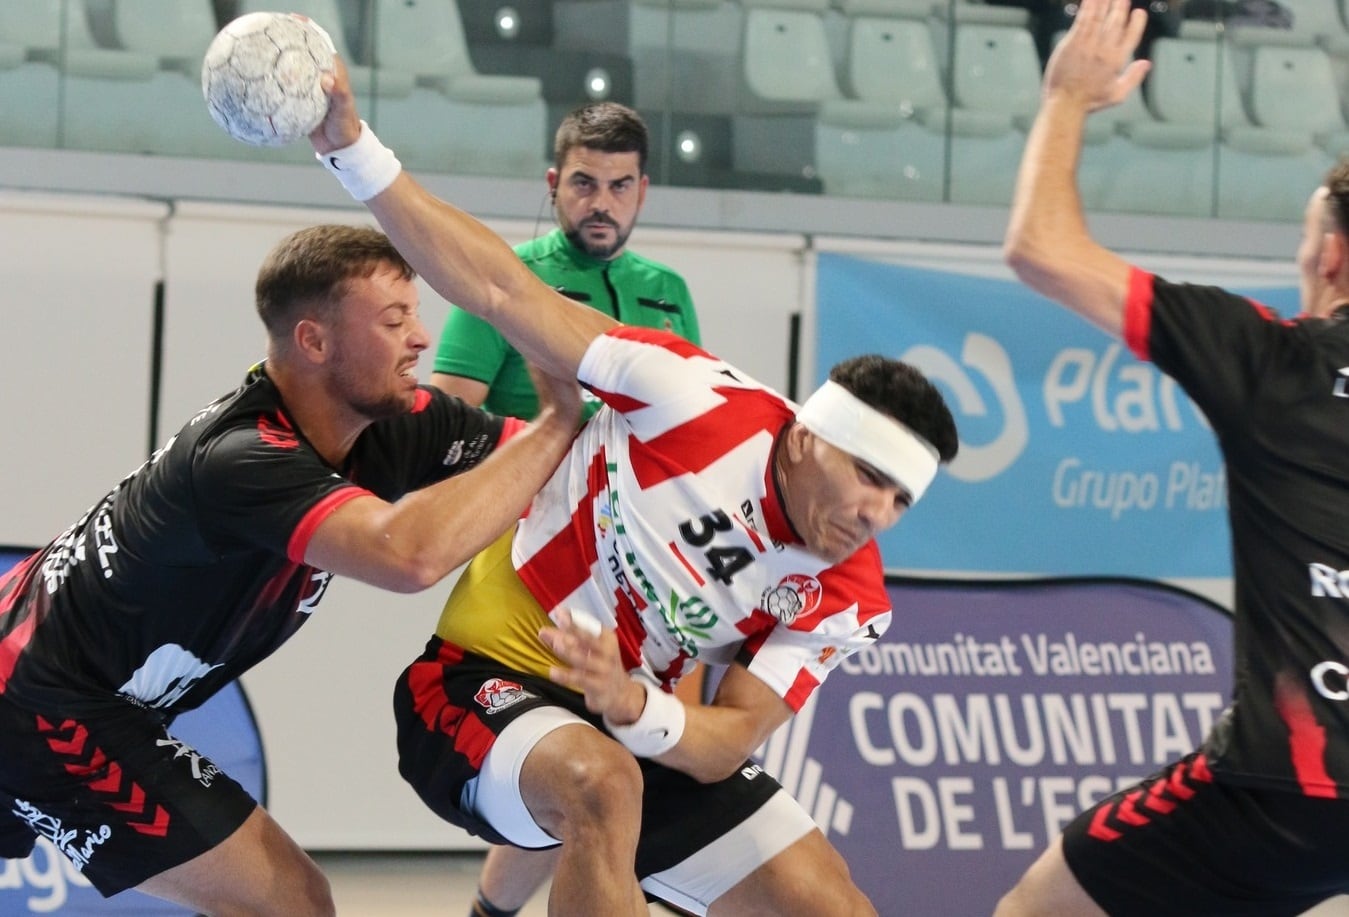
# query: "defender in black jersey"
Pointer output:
{"type": "Point", "coordinates": [1253, 821]}
{"type": "Point", "coordinates": [328, 459]}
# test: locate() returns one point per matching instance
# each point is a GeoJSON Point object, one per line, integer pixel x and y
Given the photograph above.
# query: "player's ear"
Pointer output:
{"type": "Point", "coordinates": [1334, 255]}
{"type": "Point", "coordinates": [310, 341]}
{"type": "Point", "coordinates": [551, 177]}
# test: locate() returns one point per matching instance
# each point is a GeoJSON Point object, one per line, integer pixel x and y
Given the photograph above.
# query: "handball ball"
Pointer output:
{"type": "Point", "coordinates": [261, 77]}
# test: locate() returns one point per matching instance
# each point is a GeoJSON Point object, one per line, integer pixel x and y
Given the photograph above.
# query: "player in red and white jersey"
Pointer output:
{"type": "Point", "coordinates": [1251, 822]}
{"type": "Point", "coordinates": [698, 515]}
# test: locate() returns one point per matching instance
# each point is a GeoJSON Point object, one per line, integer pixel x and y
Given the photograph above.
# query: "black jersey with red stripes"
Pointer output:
{"type": "Point", "coordinates": [1276, 393]}
{"type": "Point", "coordinates": [191, 570]}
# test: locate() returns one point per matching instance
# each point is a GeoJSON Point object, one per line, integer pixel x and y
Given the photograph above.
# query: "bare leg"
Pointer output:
{"type": "Point", "coordinates": [1048, 888]}
{"type": "Point", "coordinates": [808, 878]}
{"type": "Point", "coordinates": [257, 870]}
{"type": "Point", "coordinates": [510, 875]}
{"type": "Point", "coordinates": [586, 789]}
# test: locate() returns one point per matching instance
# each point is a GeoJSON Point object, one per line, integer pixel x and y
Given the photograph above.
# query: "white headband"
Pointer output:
{"type": "Point", "coordinates": [845, 422]}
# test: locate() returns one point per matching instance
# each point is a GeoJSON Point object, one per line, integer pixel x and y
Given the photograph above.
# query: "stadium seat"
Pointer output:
{"type": "Point", "coordinates": [456, 119]}
{"type": "Point", "coordinates": [685, 53]}
{"type": "Point", "coordinates": [1293, 89]}
{"type": "Point", "coordinates": [995, 71]}
{"type": "Point", "coordinates": [1261, 171]}
{"type": "Point", "coordinates": [888, 137]}
{"type": "Point", "coordinates": [787, 62]}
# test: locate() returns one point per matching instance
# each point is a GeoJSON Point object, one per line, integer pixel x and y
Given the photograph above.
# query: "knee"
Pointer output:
{"type": "Point", "coordinates": [602, 785]}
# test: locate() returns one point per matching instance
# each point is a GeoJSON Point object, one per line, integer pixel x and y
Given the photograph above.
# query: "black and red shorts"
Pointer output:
{"type": "Point", "coordinates": [119, 796]}
{"type": "Point", "coordinates": [450, 705]}
{"type": "Point", "coordinates": [1186, 844]}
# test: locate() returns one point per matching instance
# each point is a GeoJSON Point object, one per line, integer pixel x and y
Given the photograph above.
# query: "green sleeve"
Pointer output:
{"type": "Point", "coordinates": [469, 347]}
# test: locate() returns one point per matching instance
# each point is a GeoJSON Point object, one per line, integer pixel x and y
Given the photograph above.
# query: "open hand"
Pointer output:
{"type": "Point", "coordinates": [1095, 61]}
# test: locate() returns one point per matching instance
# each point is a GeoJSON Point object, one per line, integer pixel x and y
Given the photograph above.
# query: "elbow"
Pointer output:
{"type": "Point", "coordinates": [1019, 254]}
{"type": "Point", "coordinates": [413, 573]}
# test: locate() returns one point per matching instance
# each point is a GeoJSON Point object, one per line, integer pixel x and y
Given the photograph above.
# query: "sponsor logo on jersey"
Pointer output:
{"type": "Point", "coordinates": [454, 453]}
{"type": "Point", "coordinates": [1327, 582]}
{"type": "Point", "coordinates": [78, 845]}
{"type": "Point", "coordinates": [476, 448]}
{"type": "Point", "coordinates": [496, 694]}
{"type": "Point", "coordinates": [797, 594]}
{"type": "Point", "coordinates": [204, 771]}
{"type": "Point", "coordinates": [1341, 389]}
{"type": "Point", "coordinates": [1331, 680]}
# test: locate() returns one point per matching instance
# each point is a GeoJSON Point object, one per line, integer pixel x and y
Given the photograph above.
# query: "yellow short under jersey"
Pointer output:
{"type": "Point", "coordinates": [491, 613]}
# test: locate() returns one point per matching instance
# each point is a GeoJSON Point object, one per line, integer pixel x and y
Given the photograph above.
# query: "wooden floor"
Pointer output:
{"type": "Point", "coordinates": [442, 884]}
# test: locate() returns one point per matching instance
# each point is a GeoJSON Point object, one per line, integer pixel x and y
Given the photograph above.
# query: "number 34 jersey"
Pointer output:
{"type": "Point", "coordinates": [666, 523]}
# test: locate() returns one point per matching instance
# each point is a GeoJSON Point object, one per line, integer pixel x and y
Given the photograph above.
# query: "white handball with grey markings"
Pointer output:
{"type": "Point", "coordinates": [261, 77]}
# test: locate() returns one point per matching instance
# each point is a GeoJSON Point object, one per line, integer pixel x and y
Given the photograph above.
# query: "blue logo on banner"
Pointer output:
{"type": "Point", "coordinates": [1075, 458]}
{"type": "Point", "coordinates": [45, 882]}
{"type": "Point", "coordinates": [943, 759]}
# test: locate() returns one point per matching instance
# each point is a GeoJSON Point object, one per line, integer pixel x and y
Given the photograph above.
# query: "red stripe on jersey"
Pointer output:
{"type": "Point", "coordinates": [473, 741]}
{"type": "Point", "coordinates": [561, 566]}
{"type": "Point", "coordinates": [12, 647]}
{"type": "Point", "coordinates": [667, 340]}
{"type": "Point", "coordinates": [1306, 739]}
{"type": "Point", "coordinates": [422, 399]}
{"type": "Point", "coordinates": [1138, 313]}
{"type": "Point", "coordinates": [618, 401]}
{"type": "Point", "coordinates": [753, 535]}
{"type": "Point", "coordinates": [512, 426]}
{"type": "Point", "coordinates": [674, 549]}
{"type": "Point", "coordinates": [299, 539]}
{"type": "Point", "coordinates": [694, 445]}
{"type": "Point", "coordinates": [801, 689]}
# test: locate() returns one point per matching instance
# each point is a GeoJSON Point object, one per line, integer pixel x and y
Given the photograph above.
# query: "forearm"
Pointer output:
{"type": "Point", "coordinates": [1047, 215]}
{"type": "Point", "coordinates": [717, 740]}
{"type": "Point", "coordinates": [469, 265]}
{"type": "Point", "coordinates": [413, 543]}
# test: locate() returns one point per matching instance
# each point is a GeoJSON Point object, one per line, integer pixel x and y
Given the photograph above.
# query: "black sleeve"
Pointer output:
{"type": "Point", "coordinates": [1216, 344]}
{"type": "Point", "coordinates": [441, 437]}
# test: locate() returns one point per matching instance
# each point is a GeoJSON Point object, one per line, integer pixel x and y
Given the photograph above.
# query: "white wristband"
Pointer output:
{"type": "Point", "coordinates": [365, 168]}
{"type": "Point", "coordinates": [658, 729]}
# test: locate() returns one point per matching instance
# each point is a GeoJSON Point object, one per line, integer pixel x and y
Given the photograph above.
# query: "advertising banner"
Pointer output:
{"type": "Point", "coordinates": [1075, 458]}
{"type": "Point", "coordinates": [223, 729]}
{"type": "Point", "coordinates": [942, 760]}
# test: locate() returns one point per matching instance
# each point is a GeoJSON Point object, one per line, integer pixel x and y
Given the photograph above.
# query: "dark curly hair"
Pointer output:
{"type": "Point", "coordinates": [902, 392]}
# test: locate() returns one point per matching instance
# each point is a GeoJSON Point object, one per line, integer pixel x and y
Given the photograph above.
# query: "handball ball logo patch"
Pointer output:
{"type": "Point", "coordinates": [497, 694]}
{"type": "Point", "coordinates": [796, 595]}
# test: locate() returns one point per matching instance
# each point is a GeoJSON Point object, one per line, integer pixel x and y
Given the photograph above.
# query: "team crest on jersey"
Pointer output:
{"type": "Point", "coordinates": [796, 595]}
{"type": "Point", "coordinates": [455, 453]}
{"type": "Point", "coordinates": [604, 521]}
{"type": "Point", "coordinates": [496, 694]}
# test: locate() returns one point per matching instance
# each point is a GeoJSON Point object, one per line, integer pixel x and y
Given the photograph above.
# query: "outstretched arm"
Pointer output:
{"type": "Point", "coordinates": [1047, 241]}
{"type": "Point", "coordinates": [463, 260]}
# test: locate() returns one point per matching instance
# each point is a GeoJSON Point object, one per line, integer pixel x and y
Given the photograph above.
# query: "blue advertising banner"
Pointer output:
{"type": "Point", "coordinates": [223, 729]}
{"type": "Point", "coordinates": [1075, 458]}
{"type": "Point", "coordinates": [942, 760]}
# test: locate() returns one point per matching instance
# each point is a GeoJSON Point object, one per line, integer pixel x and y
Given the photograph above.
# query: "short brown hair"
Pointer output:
{"type": "Point", "coordinates": [1337, 200]}
{"type": "Point", "coordinates": [307, 272]}
{"type": "Point", "coordinates": [605, 126]}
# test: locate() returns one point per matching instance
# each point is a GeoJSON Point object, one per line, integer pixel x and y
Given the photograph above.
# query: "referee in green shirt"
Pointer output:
{"type": "Point", "coordinates": [597, 184]}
